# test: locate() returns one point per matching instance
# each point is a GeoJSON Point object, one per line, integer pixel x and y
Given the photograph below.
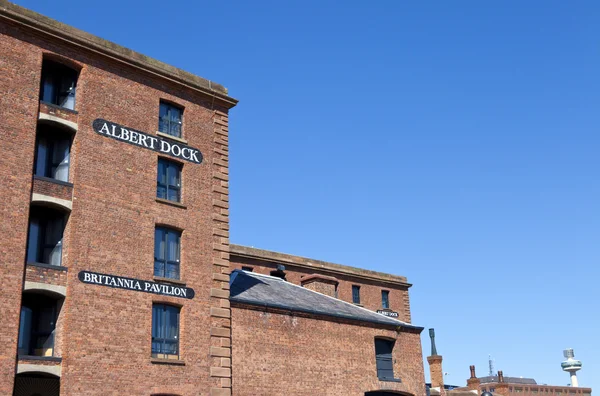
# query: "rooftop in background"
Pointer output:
{"type": "Point", "coordinates": [324, 266]}
{"type": "Point", "coordinates": [79, 38]}
{"type": "Point", "coordinates": [508, 380]}
{"type": "Point", "coordinates": [268, 291]}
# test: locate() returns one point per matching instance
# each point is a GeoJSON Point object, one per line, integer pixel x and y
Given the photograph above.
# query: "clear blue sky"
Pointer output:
{"type": "Point", "coordinates": [455, 143]}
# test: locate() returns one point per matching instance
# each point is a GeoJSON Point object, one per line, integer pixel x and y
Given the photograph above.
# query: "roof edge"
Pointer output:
{"type": "Point", "coordinates": [240, 304]}
{"type": "Point", "coordinates": [80, 38]}
{"type": "Point", "coordinates": [308, 263]}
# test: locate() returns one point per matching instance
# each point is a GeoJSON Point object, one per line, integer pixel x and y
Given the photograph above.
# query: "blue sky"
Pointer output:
{"type": "Point", "coordinates": [455, 143]}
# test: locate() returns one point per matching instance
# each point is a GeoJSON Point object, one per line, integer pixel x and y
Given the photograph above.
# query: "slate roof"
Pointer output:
{"type": "Point", "coordinates": [268, 291]}
{"type": "Point", "coordinates": [508, 380]}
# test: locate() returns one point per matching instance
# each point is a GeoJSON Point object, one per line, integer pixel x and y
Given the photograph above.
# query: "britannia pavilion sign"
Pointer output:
{"type": "Point", "coordinates": [120, 282]}
{"type": "Point", "coordinates": [140, 139]}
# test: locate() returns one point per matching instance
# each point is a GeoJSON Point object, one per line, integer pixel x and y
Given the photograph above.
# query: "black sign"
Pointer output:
{"type": "Point", "coordinates": [119, 282]}
{"type": "Point", "coordinates": [155, 143]}
{"type": "Point", "coordinates": [385, 312]}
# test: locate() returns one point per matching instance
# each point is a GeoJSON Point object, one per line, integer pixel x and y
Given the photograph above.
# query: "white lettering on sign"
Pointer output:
{"type": "Point", "coordinates": [136, 138]}
{"type": "Point", "coordinates": [120, 282]}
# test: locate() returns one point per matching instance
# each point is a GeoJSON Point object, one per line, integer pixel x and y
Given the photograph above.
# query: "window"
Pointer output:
{"type": "Point", "coordinates": [166, 252]}
{"type": "Point", "coordinates": [52, 153]}
{"type": "Point", "coordinates": [46, 227]}
{"type": "Point", "coordinates": [58, 84]}
{"type": "Point", "coordinates": [168, 182]}
{"type": "Point", "coordinates": [248, 269]}
{"type": "Point", "coordinates": [169, 119]}
{"type": "Point", "coordinates": [165, 331]}
{"type": "Point", "coordinates": [356, 294]}
{"type": "Point", "coordinates": [37, 326]}
{"type": "Point", "coordinates": [385, 299]}
{"type": "Point", "coordinates": [383, 358]}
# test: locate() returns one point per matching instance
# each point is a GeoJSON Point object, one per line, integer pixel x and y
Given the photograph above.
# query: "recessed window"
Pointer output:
{"type": "Point", "coordinates": [168, 181]}
{"type": "Point", "coordinates": [37, 325]}
{"type": "Point", "coordinates": [58, 84]}
{"type": "Point", "coordinates": [356, 294]}
{"type": "Point", "coordinates": [170, 119]}
{"type": "Point", "coordinates": [166, 252]}
{"type": "Point", "coordinates": [248, 269]}
{"type": "Point", "coordinates": [46, 228]}
{"type": "Point", "coordinates": [385, 299]}
{"type": "Point", "coordinates": [52, 153]}
{"type": "Point", "coordinates": [384, 360]}
{"type": "Point", "coordinates": [165, 331]}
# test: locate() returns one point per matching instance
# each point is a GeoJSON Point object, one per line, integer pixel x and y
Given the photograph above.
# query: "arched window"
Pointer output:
{"type": "Point", "coordinates": [52, 153]}
{"type": "Point", "coordinates": [59, 83]}
{"type": "Point", "coordinates": [37, 327]}
{"type": "Point", "coordinates": [46, 228]}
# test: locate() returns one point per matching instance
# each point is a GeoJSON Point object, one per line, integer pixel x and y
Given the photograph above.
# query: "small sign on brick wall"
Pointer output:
{"type": "Point", "coordinates": [120, 282]}
{"type": "Point", "coordinates": [386, 312]}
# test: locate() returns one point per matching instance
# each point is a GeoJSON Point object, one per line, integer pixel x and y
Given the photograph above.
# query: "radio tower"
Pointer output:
{"type": "Point", "coordinates": [571, 365]}
{"type": "Point", "coordinates": [491, 363]}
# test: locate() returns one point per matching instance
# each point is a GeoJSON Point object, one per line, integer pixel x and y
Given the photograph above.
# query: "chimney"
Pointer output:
{"type": "Point", "coordinates": [435, 366]}
{"type": "Point", "coordinates": [473, 382]}
{"type": "Point", "coordinates": [501, 387]}
{"type": "Point", "coordinates": [320, 283]}
{"type": "Point", "coordinates": [279, 272]}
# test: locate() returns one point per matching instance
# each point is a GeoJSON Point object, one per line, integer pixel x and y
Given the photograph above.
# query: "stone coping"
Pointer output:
{"type": "Point", "coordinates": [307, 263]}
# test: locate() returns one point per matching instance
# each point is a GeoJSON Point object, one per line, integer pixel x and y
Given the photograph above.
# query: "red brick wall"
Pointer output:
{"type": "Point", "coordinates": [111, 227]}
{"type": "Point", "coordinates": [52, 189]}
{"type": "Point", "coordinates": [51, 276]}
{"type": "Point", "coordinates": [19, 84]}
{"type": "Point", "coordinates": [370, 291]}
{"type": "Point", "coordinates": [276, 354]}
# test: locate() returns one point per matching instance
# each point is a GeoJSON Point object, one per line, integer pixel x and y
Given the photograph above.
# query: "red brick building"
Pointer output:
{"type": "Point", "coordinates": [115, 265]}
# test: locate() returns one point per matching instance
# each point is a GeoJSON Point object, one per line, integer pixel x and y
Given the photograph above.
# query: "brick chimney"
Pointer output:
{"type": "Point", "coordinates": [502, 387]}
{"type": "Point", "coordinates": [473, 382]}
{"type": "Point", "coordinates": [435, 366]}
{"type": "Point", "coordinates": [320, 283]}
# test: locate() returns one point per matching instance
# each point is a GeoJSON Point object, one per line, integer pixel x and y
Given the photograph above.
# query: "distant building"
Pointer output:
{"type": "Point", "coordinates": [496, 384]}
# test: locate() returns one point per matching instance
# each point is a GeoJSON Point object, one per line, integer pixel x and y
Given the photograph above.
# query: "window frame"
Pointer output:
{"type": "Point", "coordinates": [43, 223]}
{"type": "Point", "coordinates": [355, 294]}
{"type": "Point", "coordinates": [162, 340]}
{"type": "Point", "coordinates": [168, 164]}
{"type": "Point", "coordinates": [385, 299]}
{"type": "Point", "coordinates": [173, 127]}
{"type": "Point", "coordinates": [167, 231]}
{"type": "Point", "coordinates": [384, 360]}
{"type": "Point", "coordinates": [52, 137]}
{"type": "Point", "coordinates": [56, 74]}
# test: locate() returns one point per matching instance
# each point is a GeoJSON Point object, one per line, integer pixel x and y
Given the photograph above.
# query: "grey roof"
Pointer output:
{"type": "Point", "coordinates": [268, 291]}
{"type": "Point", "coordinates": [508, 380]}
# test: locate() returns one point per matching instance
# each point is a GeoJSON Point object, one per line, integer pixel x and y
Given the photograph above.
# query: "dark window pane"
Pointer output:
{"type": "Point", "coordinates": [52, 153]}
{"type": "Point", "coordinates": [356, 294]}
{"type": "Point", "coordinates": [58, 84]}
{"type": "Point", "coordinates": [166, 252]}
{"type": "Point", "coordinates": [384, 360]}
{"type": "Point", "coordinates": [168, 180]}
{"type": "Point", "coordinates": [44, 244]}
{"type": "Point", "coordinates": [169, 119]}
{"type": "Point", "coordinates": [385, 301]}
{"type": "Point", "coordinates": [165, 330]}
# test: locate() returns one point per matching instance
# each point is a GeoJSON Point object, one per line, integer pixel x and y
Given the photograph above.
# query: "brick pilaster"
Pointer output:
{"type": "Point", "coordinates": [220, 312]}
